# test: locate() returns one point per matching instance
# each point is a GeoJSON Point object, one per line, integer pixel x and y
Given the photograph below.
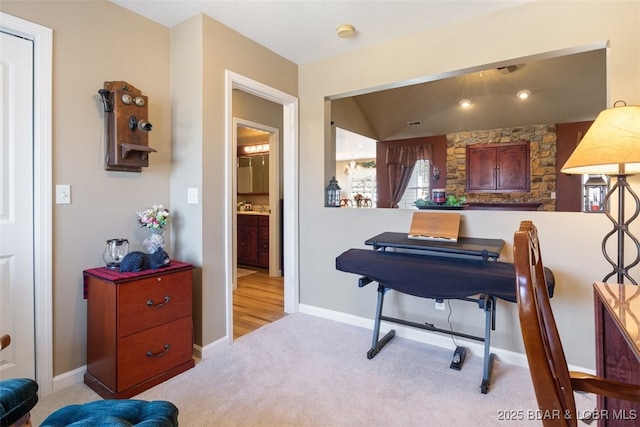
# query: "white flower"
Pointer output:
{"type": "Point", "coordinates": [156, 217]}
{"type": "Point", "coordinates": [154, 242]}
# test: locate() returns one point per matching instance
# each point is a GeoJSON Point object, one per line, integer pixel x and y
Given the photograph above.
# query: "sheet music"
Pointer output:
{"type": "Point", "coordinates": [435, 226]}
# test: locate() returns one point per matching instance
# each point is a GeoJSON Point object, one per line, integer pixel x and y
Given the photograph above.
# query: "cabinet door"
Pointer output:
{"type": "Point", "coordinates": [247, 244]}
{"type": "Point", "coordinates": [481, 168]}
{"type": "Point", "coordinates": [495, 168]}
{"type": "Point", "coordinates": [513, 168]}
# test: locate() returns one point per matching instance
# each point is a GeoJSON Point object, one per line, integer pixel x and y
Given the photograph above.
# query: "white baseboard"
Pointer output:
{"type": "Point", "coordinates": [210, 350]}
{"type": "Point", "coordinates": [77, 375]}
{"type": "Point", "coordinates": [69, 378]}
{"type": "Point", "coordinates": [426, 337]}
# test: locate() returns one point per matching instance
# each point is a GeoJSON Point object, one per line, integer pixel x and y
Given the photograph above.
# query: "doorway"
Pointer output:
{"type": "Point", "coordinates": [290, 189]}
{"type": "Point", "coordinates": [258, 291]}
{"type": "Point", "coordinates": [41, 157]}
{"type": "Point", "coordinates": [258, 183]}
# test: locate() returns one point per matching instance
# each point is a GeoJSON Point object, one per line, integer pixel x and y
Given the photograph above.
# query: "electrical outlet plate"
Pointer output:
{"type": "Point", "coordinates": [63, 194]}
{"type": "Point", "coordinates": [439, 305]}
{"type": "Point", "coordinates": [192, 195]}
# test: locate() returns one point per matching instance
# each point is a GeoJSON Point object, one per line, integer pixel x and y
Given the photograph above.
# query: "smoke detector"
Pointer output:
{"type": "Point", "coordinates": [345, 31]}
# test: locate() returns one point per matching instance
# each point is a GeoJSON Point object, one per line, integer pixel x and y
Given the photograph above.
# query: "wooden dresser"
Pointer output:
{"type": "Point", "coordinates": [617, 310]}
{"type": "Point", "coordinates": [139, 328]}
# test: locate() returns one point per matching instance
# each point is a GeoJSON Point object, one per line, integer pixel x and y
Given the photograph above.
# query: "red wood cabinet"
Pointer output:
{"type": "Point", "coordinates": [253, 240]}
{"type": "Point", "coordinates": [139, 328]}
{"type": "Point", "coordinates": [617, 348]}
{"type": "Point", "coordinates": [498, 167]}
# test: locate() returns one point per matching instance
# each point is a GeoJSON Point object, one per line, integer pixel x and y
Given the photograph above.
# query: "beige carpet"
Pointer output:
{"type": "Point", "coordinates": [307, 371]}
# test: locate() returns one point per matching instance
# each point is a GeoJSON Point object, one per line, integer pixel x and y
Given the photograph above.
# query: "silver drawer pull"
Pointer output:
{"type": "Point", "coordinates": [160, 304]}
{"type": "Point", "coordinates": [162, 353]}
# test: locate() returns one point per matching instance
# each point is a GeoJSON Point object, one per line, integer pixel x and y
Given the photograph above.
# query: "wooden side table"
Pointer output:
{"type": "Point", "coordinates": [139, 328]}
{"type": "Point", "coordinates": [617, 315]}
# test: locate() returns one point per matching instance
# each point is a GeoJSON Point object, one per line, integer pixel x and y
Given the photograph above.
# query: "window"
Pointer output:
{"type": "Point", "coordinates": [356, 167]}
{"type": "Point", "coordinates": [361, 179]}
{"type": "Point", "coordinates": [418, 186]}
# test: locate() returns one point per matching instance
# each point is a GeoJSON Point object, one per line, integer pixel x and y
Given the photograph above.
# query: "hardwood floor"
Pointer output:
{"type": "Point", "coordinates": [258, 300]}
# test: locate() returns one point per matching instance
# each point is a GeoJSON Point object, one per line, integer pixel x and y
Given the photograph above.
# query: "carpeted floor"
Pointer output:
{"type": "Point", "coordinates": [307, 371]}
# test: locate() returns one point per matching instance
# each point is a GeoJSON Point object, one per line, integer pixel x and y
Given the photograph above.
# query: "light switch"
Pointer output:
{"type": "Point", "coordinates": [192, 195]}
{"type": "Point", "coordinates": [63, 194]}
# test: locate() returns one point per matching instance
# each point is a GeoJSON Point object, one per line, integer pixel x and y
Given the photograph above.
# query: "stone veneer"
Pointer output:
{"type": "Point", "coordinates": [542, 148]}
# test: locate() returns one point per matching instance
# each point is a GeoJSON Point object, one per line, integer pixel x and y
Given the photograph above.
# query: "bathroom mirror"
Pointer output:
{"type": "Point", "coordinates": [253, 174]}
{"type": "Point", "coordinates": [253, 161]}
{"type": "Point", "coordinates": [565, 87]}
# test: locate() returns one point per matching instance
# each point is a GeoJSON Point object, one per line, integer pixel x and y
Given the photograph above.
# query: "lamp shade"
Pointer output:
{"type": "Point", "coordinates": [611, 146]}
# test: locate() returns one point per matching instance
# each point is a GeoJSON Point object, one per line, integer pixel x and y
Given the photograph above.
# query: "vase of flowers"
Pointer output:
{"type": "Point", "coordinates": [155, 220]}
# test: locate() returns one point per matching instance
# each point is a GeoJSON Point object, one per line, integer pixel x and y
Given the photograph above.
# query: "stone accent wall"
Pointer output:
{"type": "Point", "coordinates": [542, 148]}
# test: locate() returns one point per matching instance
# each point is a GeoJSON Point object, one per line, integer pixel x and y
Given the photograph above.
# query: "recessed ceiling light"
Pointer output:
{"type": "Point", "coordinates": [465, 103]}
{"type": "Point", "coordinates": [523, 94]}
{"type": "Point", "coordinates": [345, 31]}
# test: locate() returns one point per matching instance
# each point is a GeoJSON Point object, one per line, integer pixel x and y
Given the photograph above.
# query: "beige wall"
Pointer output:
{"type": "Point", "coordinates": [94, 42]}
{"type": "Point", "coordinates": [571, 241]}
{"type": "Point", "coordinates": [182, 72]}
{"type": "Point", "coordinates": [199, 149]}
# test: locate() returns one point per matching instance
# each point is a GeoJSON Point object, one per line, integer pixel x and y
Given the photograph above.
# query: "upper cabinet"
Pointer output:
{"type": "Point", "coordinates": [498, 167]}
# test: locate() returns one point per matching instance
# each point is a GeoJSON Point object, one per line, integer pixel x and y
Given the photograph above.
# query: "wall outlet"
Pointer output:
{"type": "Point", "coordinates": [439, 305]}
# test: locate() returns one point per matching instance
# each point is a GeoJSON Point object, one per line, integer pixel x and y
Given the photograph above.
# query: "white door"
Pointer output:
{"type": "Point", "coordinates": [16, 206]}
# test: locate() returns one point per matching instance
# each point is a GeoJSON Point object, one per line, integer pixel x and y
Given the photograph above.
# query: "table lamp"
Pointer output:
{"type": "Point", "coordinates": [611, 147]}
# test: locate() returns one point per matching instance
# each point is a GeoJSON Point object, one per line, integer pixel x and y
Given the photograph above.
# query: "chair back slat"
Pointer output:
{"type": "Point", "coordinates": [547, 362]}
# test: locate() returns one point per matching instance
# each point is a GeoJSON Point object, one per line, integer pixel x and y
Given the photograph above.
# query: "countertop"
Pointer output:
{"type": "Point", "coordinates": [253, 213]}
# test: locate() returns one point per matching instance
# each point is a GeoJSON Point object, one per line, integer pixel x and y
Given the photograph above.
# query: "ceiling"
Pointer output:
{"type": "Point", "coordinates": [563, 89]}
{"type": "Point", "coordinates": [304, 31]}
{"type": "Point", "coordinates": [566, 89]}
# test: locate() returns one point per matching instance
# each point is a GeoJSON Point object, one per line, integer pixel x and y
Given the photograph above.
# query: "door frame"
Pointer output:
{"type": "Point", "coordinates": [290, 178]}
{"type": "Point", "coordinates": [42, 39]}
{"type": "Point", "coordinates": [274, 193]}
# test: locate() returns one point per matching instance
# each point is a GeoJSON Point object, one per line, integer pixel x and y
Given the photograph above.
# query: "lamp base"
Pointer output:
{"type": "Point", "coordinates": [620, 230]}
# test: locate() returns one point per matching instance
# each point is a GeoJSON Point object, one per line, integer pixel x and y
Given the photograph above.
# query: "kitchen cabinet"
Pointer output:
{"type": "Point", "coordinates": [253, 240]}
{"type": "Point", "coordinates": [139, 328]}
{"type": "Point", "coordinates": [498, 167]}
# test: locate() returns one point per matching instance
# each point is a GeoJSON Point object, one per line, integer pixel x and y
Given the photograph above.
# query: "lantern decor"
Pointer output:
{"type": "Point", "coordinates": [114, 252]}
{"type": "Point", "coordinates": [595, 189]}
{"type": "Point", "coordinates": [333, 194]}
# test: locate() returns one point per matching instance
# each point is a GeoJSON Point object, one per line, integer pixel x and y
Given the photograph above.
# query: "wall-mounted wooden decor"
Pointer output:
{"type": "Point", "coordinates": [127, 127]}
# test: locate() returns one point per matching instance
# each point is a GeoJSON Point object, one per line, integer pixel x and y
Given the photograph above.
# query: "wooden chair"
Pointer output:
{"type": "Point", "coordinates": [5, 340]}
{"type": "Point", "coordinates": [554, 385]}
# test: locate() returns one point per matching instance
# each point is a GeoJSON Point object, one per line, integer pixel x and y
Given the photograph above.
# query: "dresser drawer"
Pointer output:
{"type": "Point", "coordinates": [153, 301]}
{"type": "Point", "coordinates": [149, 353]}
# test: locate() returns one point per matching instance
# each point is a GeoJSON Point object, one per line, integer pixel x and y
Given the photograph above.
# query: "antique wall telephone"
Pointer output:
{"type": "Point", "coordinates": [127, 127]}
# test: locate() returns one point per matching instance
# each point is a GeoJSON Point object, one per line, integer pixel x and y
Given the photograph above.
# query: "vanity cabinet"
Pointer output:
{"type": "Point", "coordinates": [253, 240]}
{"type": "Point", "coordinates": [498, 167]}
{"type": "Point", "coordinates": [139, 328]}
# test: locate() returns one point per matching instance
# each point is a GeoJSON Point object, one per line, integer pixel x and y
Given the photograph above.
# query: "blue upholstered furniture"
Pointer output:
{"type": "Point", "coordinates": [115, 413]}
{"type": "Point", "coordinates": [19, 395]}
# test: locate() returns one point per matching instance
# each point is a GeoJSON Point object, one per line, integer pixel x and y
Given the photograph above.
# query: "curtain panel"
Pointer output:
{"type": "Point", "coordinates": [400, 163]}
